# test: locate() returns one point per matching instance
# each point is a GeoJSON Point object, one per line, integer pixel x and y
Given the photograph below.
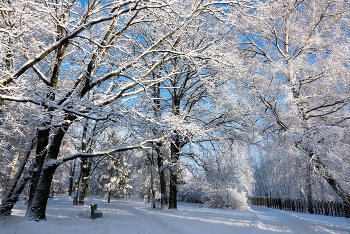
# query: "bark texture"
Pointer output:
{"type": "Point", "coordinates": [39, 201]}
{"type": "Point", "coordinates": [84, 180]}
{"type": "Point", "coordinates": [175, 149]}
{"type": "Point", "coordinates": [162, 178]}
{"type": "Point", "coordinates": [43, 139]}
{"type": "Point", "coordinates": [76, 187]}
{"type": "Point", "coordinates": [71, 179]}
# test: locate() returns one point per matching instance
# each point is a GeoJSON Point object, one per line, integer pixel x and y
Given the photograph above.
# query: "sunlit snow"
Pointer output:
{"type": "Point", "coordinates": [131, 215]}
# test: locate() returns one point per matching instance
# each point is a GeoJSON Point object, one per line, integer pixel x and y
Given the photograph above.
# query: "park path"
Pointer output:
{"type": "Point", "coordinates": [132, 216]}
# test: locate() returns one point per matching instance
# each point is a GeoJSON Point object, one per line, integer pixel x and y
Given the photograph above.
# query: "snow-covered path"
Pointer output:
{"type": "Point", "coordinates": [132, 216]}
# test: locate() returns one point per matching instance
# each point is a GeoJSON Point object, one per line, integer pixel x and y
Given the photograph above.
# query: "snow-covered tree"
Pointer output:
{"type": "Point", "coordinates": [298, 54]}
{"type": "Point", "coordinates": [115, 183]}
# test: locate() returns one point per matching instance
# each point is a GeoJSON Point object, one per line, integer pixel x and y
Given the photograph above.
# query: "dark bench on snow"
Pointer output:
{"type": "Point", "coordinates": [95, 213]}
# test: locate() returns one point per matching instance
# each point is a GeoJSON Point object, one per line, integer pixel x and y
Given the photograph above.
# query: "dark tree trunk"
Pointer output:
{"type": "Point", "coordinates": [110, 192]}
{"type": "Point", "coordinates": [162, 179]}
{"type": "Point", "coordinates": [174, 152]}
{"type": "Point", "coordinates": [76, 186]}
{"type": "Point", "coordinates": [85, 168]}
{"type": "Point", "coordinates": [71, 179]}
{"type": "Point", "coordinates": [37, 210]}
{"type": "Point", "coordinates": [152, 183]}
{"type": "Point", "coordinates": [6, 206]}
{"type": "Point", "coordinates": [161, 170]}
{"type": "Point", "coordinates": [38, 207]}
{"type": "Point", "coordinates": [41, 148]}
{"type": "Point", "coordinates": [175, 149]}
{"type": "Point", "coordinates": [86, 190]}
{"type": "Point", "coordinates": [83, 187]}
{"type": "Point", "coordinates": [309, 189]}
{"type": "Point", "coordinates": [70, 188]}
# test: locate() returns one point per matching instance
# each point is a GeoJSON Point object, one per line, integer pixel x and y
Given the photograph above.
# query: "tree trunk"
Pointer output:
{"type": "Point", "coordinates": [86, 190]}
{"type": "Point", "coordinates": [162, 179]}
{"type": "Point", "coordinates": [175, 149]}
{"type": "Point", "coordinates": [161, 171]}
{"type": "Point", "coordinates": [76, 188]}
{"type": "Point", "coordinates": [8, 200]}
{"type": "Point", "coordinates": [71, 178]}
{"type": "Point", "coordinates": [42, 142]}
{"type": "Point", "coordinates": [328, 176]}
{"type": "Point", "coordinates": [38, 207]}
{"type": "Point", "coordinates": [343, 194]}
{"type": "Point", "coordinates": [52, 190]}
{"type": "Point", "coordinates": [174, 152]}
{"type": "Point", "coordinates": [70, 189]}
{"type": "Point", "coordinates": [309, 189]}
{"type": "Point", "coordinates": [83, 187]}
{"type": "Point", "coordinates": [85, 168]}
{"type": "Point", "coordinates": [6, 207]}
{"type": "Point", "coordinates": [152, 184]}
{"type": "Point", "coordinates": [37, 210]}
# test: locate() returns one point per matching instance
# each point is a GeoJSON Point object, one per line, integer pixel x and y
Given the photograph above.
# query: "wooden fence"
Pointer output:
{"type": "Point", "coordinates": [326, 208]}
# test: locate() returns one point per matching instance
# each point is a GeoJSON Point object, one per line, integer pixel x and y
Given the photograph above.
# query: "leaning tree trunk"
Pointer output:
{"type": "Point", "coordinates": [329, 177]}
{"type": "Point", "coordinates": [6, 207]}
{"type": "Point", "coordinates": [11, 195]}
{"type": "Point", "coordinates": [325, 171]}
{"type": "Point", "coordinates": [175, 149]}
{"type": "Point", "coordinates": [342, 193]}
{"type": "Point", "coordinates": [39, 201]}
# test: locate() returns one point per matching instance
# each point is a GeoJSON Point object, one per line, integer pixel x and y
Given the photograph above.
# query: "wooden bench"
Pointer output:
{"type": "Point", "coordinates": [95, 213]}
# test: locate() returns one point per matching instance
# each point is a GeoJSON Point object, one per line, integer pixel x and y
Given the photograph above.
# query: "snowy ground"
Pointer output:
{"type": "Point", "coordinates": [131, 215]}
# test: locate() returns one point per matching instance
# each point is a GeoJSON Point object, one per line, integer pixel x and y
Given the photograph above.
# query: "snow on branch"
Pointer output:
{"type": "Point", "coordinates": [98, 154]}
{"type": "Point", "coordinates": [30, 63]}
{"type": "Point", "coordinates": [50, 105]}
{"type": "Point", "coordinates": [103, 153]}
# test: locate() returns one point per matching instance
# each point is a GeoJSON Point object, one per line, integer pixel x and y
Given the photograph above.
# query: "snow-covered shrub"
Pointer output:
{"type": "Point", "coordinates": [214, 194]}
{"type": "Point", "coordinates": [226, 198]}
{"type": "Point", "coordinates": [225, 179]}
{"type": "Point", "coordinates": [192, 191]}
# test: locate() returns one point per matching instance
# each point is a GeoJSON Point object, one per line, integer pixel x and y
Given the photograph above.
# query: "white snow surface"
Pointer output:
{"type": "Point", "coordinates": [131, 215]}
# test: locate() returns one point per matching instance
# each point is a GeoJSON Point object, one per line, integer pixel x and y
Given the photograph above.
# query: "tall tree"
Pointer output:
{"type": "Point", "coordinates": [298, 52]}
